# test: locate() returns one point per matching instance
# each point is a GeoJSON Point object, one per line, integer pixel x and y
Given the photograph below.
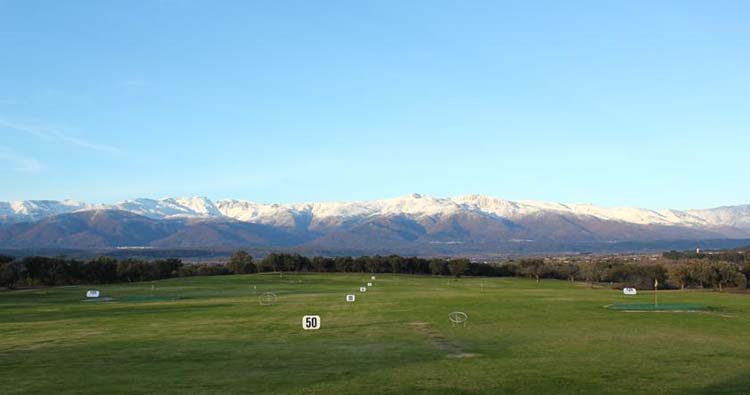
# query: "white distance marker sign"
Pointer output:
{"type": "Point", "coordinates": [311, 322]}
{"type": "Point", "coordinates": [629, 291]}
{"type": "Point", "coordinates": [92, 293]}
{"type": "Point", "coordinates": [362, 289]}
{"type": "Point", "coordinates": [372, 278]}
{"type": "Point", "coordinates": [351, 298]}
{"type": "Point", "coordinates": [369, 284]}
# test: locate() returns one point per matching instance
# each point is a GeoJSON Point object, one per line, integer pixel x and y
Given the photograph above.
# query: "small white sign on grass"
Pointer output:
{"type": "Point", "coordinates": [92, 293]}
{"type": "Point", "coordinates": [311, 322]}
{"type": "Point", "coordinates": [351, 298]}
{"type": "Point", "coordinates": [372, 277]}
{"type": "Point", "coordinates": [629, 291]}
{"type": "Point", "coordinates": [362, 289]}
{"type": "Point", "coordinates": [369, 284]}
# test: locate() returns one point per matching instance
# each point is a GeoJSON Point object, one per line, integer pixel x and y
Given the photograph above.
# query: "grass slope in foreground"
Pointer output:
{"type": "Point", "coordinates": [209, 335]}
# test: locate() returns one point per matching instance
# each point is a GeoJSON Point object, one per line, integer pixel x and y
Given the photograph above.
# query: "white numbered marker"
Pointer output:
{"type": "Point", "coordinates": [351, 298]}
{"type": "Point", "coordinates": [311, 322]}
{"type": "Point", "coordinates": [369, 284]}
{"type": "Point", "coordinates": [629, 291]}
{"type": "Point", "coordinates": [92, 293]}
{"type": "Point", "coordinates": [362, 289]}
{"type": "Point", "coordinates": [372, 278]}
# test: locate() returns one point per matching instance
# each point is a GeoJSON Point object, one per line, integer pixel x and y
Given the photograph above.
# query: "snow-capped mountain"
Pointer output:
{"type": "Point", "coordinates": [413, 221]}
{"type": "Point", "coordinates": [192, 207]}
{"type": "Point", "coordinates": [414, 205]}
{"type": "Point", "coordinates": [32, 210]}
{"type": "Point", "coordinates": [737, 216]}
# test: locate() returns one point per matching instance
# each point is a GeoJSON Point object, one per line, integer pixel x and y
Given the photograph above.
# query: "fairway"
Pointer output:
{"type": "Point", "coordinates": [210, 335]}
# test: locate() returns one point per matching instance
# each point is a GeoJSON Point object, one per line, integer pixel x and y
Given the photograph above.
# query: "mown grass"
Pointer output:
{"type": "Point", "coordinates": [210, 335]}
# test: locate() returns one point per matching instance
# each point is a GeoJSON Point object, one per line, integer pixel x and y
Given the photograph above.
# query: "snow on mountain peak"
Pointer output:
{"type": "Point", "coordinates": [321, 214]}
{"type": "Point", "coordinates": [199, 205]}
{"type": "Point", "coordinates": [190, 207]}
{"type": "Point", "coordinates": [37, 209]}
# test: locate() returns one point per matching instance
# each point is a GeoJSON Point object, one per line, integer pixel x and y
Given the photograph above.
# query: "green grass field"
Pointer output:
{"type": "Point", "coordinates": [210, 335]}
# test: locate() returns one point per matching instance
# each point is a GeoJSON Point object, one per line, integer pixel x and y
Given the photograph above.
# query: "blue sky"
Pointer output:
{"type": "Point", "coordinates": [614, 103]}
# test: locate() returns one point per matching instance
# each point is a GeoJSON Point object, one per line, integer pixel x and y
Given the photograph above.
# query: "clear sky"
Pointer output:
{"type": "Point", "coordinates": [642, 103]}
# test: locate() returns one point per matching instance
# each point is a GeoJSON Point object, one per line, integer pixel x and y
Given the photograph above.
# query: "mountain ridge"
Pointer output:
{"type": "Point", "coordinates": [473, 223]}
{"type": "Point", "coordinates": [413, 204]}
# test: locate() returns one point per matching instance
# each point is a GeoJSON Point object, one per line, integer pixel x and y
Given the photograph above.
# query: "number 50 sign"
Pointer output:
{"type": "Point", "coordinates": [311, 322]}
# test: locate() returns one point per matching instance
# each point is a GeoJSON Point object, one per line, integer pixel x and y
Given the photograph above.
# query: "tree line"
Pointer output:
{"type": "Point", "coordinates": [681, 273]}
{"type": "Point", "coordinates": [734, 256]}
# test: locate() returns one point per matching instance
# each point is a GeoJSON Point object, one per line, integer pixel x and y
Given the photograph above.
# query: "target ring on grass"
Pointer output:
{"type": "Point", "coordinates": [458, 318]}
{"type": "Point", "coordinates": [267, 298]}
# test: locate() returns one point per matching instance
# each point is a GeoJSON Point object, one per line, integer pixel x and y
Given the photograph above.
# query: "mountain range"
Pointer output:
{"type": "Point", "coordinates": [410, 224]}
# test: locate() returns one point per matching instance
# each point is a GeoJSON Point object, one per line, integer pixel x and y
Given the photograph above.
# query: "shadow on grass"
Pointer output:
{"type": "Point", "coordinates": [125, 309]}
{"type": "Point", "coordinates": [193, 365]}
{"type": "Point", "coordinates": [737, 385]}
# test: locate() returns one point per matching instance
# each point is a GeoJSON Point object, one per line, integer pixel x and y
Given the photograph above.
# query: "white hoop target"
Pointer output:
{"type": "Point", "coordinates": [458, 318]}
{"type": "Point", "coordinates": [267, 298]}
